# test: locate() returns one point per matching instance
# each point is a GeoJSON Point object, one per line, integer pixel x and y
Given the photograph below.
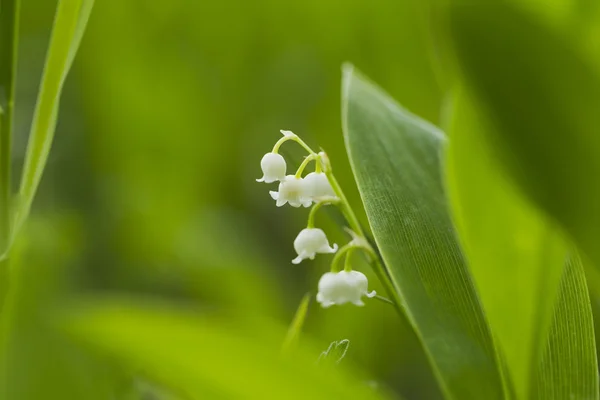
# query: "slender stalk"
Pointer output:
{"type": "Point", "coordinates": [9, 36]}
{"type": "Point", "coordinates": [373, 259]}
{"type": "Point", "coordinates": [307, 160]}
{"type": "Point", "coordinates": [315, 208]}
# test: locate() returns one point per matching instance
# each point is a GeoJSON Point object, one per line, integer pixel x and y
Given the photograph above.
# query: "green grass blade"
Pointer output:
{"type": "Point", "coordinates": [396, 159]}
{"type": "Point", "coordinates": [569, 367]}
{"type": "Point", "coordinates": [69, 24]}
{"type": "Point", "coordinates": [542, 95]}
{"type": "Point", "coordinates": [293, 334]}
{"type": "Point", "coordinates": [203, 358]}
{"type": "Point", "coordinates": [516, 255]}
{"type": "Point", "coordinates": [9, 40]}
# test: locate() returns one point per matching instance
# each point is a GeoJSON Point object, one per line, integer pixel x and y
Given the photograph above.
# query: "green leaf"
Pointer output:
{"type": "Point", "coordinates": [9, 40]}
{"type": "Point", "coordinates": [396, 159]}
{"type": "Point", "coordinates": [203, 358]}
{"type": "Point", "coordinates": [69, 25]}
{"type": "Point", "coordinates": [516, 256]}
{"type": "Point", "coordinates": [569, 367]}
{"type": "Point", "coordinates": [542, 95]}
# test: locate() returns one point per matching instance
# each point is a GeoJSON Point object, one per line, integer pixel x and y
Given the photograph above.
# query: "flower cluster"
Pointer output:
{"type": "Point", "coordinates": [316, 189]}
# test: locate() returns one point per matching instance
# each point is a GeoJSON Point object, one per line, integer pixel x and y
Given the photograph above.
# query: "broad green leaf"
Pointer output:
{"type": "Point", "coordinates": [516, 255]}
{"type": "Point", "coordinates": [569, 366]}
{"type": "Point", "coordinates": [204, 358]}
{"type": "Point", "coordinates": [396, 159]}
{"type": "Point", "coordinates": [542, 96]}
{"type": "Point", "coordinates": [69, 25]}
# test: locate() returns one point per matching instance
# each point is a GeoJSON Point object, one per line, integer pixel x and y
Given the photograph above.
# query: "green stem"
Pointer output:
{"type": "Point", "coordinates": [344, 205]}
{"type": "Point", "coordinates": [384, 299]}
{"type": "Point", "coordinates": [341, 252]}
{"type": "Point", "coordinates": [347, 265]}
{"type": "Point", "coordinates": [373, 259]}
{"type": "Point", "coordinates": [302, 166]}
{"type": "Point", "coordinates": [315, 208]}
{"type": "Point", "coordinates": [294, 138]}
{"type": "Point", "coordinates": [9, 36]}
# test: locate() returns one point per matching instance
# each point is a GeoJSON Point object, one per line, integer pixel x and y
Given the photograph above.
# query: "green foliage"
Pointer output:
{"type": "Point", "coordinates": [9, 38]}
{"type": "Point", "coordinates": [69, 24]}
{"type": "Point", "coordinates": [544, 104]}
{"type": "Point", "coordinates": [170, 113]}
{"type": "Point", "coordinates": [569, 365]}
{"type": "Point", "coordinates": [198, 357]}
{"type": "Point", "coordinates": [396, 158]}
{"type": "Point", "coordinates": [517, 257]}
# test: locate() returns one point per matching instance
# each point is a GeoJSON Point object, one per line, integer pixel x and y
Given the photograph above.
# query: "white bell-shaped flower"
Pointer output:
{"type": "Point", "coordinates": [309, 242]}
{"type": "Point", "coordinates": [273, 167]}
{"type": "Point", "coordinates": [318, 186]}
{"type": "Point", "coordinates": [343, 287]}
{"type": "Point", "coordinates": [292, 190]}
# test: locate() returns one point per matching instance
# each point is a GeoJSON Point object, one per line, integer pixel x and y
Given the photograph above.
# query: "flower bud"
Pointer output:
{"type": "Point", "coordinates": [318, 186]}
{"type": "Point", "coordinates": [273, 167]}
{"type": "Point", "coordinates": [291, 190]}
{"type": "Point", "coordinates": [309, 242]}
{"type": "Point", "coordinates": [343, 287]}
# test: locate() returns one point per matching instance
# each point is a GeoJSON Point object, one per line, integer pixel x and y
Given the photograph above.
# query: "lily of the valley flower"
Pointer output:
{"type": "Point", "coordinates": [318, 186]}
{"type": "Point", "coordinates": [292, 190]}
{"type": "Point", "coordinates": [343, 287]}
{"type": "Point", "coordinates": [309, 242]}
{"type": "Point", "coordinates": [273, 167]}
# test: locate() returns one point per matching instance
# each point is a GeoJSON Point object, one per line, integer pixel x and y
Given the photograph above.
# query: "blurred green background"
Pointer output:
{"type": "Point", "coordinates": [150, 187]}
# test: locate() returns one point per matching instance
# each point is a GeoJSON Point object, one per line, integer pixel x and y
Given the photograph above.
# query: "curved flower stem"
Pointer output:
{"type": "Point", "coordinates": [348, 248]}
{"type": "Point", "coordinates": [294, 138]}
{"type": "Point", "coordinates": [347, 266]}
{"type": "Point", "coordinates": [307, 160]}
{"type": "Point", "coordinates": [315, 208]}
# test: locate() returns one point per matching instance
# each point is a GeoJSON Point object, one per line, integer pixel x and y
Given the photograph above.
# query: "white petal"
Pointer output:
{"type": "Point", "coordinates": [274, 195]}
{"type": "Point", "coordinates": [261, 179]}
{"type": "Point", "coordinates": [370, 295]}
{"type": "Point", "coordinates": [297, 260]}
{"type": "Point", "coordinates": [280, 202]}
{"type": "Point", "coordinates": [358, 303]}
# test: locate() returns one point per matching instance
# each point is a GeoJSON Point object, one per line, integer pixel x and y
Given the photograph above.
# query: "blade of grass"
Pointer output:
{"type": "Point", "coordinates": [69, 24]}
{"type": "Point", "coordinates": [293, 333]}
{"type": "Point", "coordinates": [9, 38]}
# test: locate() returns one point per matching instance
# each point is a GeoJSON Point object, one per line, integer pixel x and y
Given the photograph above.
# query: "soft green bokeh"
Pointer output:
{"type": "Point", "coordinates": [164, 118]}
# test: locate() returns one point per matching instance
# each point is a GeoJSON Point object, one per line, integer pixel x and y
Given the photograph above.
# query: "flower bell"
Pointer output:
{"type": "Point", "coordinates": [309, 242]}
{"type": "Point", "coordinates": [318, 186]}
{"type": "Point", "coordinates": [343, 287]}
{"type": "Point", "coordinates": [291, 190]}
{"type": "Point", "coordinates": [273, 167]}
